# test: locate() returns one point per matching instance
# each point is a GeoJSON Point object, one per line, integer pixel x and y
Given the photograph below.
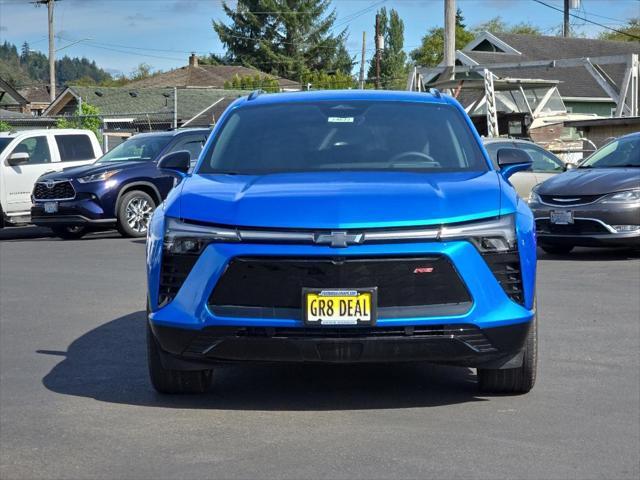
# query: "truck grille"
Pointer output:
{"type": "Point", "coordinates": [62, 190]}
{"type": "Point", "coordinates": [278, 282]}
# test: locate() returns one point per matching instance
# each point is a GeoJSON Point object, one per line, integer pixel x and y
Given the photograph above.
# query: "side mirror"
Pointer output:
{"type": "Point", "coordinates": [513, 160]}
{"type": "Point", "coordinates": [176, 162]}
{"type": "Point", "coordinates": [18, 158]}
{"type": "Point", "coordinates": [569, 166]}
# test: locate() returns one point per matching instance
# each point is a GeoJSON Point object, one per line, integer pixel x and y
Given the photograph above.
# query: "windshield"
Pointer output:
{"type": "Point", "coordinates": [140, 149]}
{"type": "Point", "coordinates": [624, 152]}
{"type": "Point", "coordinates": [343, 135]}
{"type": "Point", "coordinates": [4, 142]}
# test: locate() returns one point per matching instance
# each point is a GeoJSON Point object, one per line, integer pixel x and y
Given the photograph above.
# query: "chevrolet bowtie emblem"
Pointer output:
{"type": "Point", "coordinates": [338, 239]}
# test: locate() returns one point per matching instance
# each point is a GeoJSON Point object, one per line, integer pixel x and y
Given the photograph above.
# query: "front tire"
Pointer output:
{"type": "Point", "coordinates": [70, 232]}
{"type": "Point", "coordinates": [174, 381]}
{"type": "Point", "coordinates": [514, 380]}
{"type": "Point", "coordinates": [134, 213]}
{"type": "Point", "coordinates": [557, 249]}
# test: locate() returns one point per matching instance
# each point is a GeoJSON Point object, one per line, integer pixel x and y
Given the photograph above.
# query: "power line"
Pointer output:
{"type": "Point", "coordinates": [589, 21]}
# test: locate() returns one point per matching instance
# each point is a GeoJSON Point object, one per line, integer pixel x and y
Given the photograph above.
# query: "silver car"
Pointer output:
{"type": "Point", "coordinates": [545, 164]}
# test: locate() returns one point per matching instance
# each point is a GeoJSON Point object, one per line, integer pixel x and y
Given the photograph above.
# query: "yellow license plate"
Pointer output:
{"type": "Point", "coordinates": [339, 306]}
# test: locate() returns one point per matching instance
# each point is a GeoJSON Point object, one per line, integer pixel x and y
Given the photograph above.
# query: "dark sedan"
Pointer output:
{"type": "Point", "coordinates": [120, 190]}
{"type": "Point", "coordinates": [596, 204]}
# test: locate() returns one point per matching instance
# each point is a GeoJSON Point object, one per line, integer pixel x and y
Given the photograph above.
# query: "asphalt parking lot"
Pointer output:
{"type": "Point", "coordinates": [75, 401]}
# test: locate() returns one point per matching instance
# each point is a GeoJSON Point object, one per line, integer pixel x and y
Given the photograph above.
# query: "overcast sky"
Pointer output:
{"type": "Point", "coordinates": [123, 33]}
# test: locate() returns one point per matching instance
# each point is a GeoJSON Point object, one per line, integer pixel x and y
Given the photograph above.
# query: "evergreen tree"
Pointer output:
{"type": "Point", "coordinates": [24, 53]}
{"type": "Point", "coordinates": [288, 38]}
{"type": "Point", "coordinates": [393, 60]}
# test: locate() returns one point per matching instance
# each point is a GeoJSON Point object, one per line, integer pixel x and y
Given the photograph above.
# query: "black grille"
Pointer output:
{"type": "Point", "coordinates": [59, 191]}
{"type": "Point", "coordinates": [578, 227]}
{"type": "Point", "coordinates": [568, 200]}
{"type": "Point", "coordinates": [469, 334]}
{"type": "Point", "coordinates": [173, 272]}
{"type": "Point", "coordinates": [278, 282]}
{"type": "Point", "coordinates": [506, 268]}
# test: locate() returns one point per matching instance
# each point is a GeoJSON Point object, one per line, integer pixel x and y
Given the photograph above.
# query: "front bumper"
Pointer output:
{"type": "Point", "coordinates": [81, 211]}
{"type": "Point", "coordinates": [597, 222]}
{"type": "Point", "coordinates": [462, 345]}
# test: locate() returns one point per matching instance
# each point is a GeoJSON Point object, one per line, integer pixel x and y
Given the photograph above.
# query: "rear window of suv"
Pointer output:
{"type": "Point", "coordinates": [343, 135]}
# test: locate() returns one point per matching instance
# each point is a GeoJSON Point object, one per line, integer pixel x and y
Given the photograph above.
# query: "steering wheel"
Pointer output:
{"type": "Point", "coordinates": [422, 155]}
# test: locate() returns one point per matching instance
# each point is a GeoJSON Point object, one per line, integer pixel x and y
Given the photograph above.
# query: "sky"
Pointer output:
{"type": "Point", "coordinates": [121, 34]}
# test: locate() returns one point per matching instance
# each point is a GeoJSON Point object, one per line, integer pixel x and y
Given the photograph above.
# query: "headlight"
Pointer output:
{"type": "Point", "coordinates": [497, 235]}
{"type": "Point", "coordinates": [189, 238]}
{"type": "Point", "coordinates": [533, 196]}
{"type": "Point", "coordinates": [628, 196]}
{"type": "Point", "coordinates": [98, 177]}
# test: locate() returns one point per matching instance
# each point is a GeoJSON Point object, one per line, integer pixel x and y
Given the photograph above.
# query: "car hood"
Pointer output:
{"type": "Point", "coordinates": [338, 200]}
{"type": "Point", "coordinates": [91, 169]}
{"type": "Point", "coordinates": [587, 181]}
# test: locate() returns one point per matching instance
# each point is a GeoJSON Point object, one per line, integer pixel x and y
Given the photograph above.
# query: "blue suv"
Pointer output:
{"type": "Point", "coordinates": [343, 226]}
{"type": "Point", "coordinates": [121, 189]}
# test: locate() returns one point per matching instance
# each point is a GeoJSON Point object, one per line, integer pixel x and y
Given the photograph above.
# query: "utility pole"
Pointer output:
{"type": "Point", "coordinates": [364, 40]}
{"type": "Point", "coordinates": [450, 35]}
{"type": "Point", "coordinates": [52, 50]}
{"type": "Point", "coordinates": [378, 49]}
{"type": "Point", "coordinates": [566, 28]}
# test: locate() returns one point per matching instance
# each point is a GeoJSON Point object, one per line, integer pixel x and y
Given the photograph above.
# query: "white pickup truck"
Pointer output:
{"type": "Point", "coordinates": [26, 155]}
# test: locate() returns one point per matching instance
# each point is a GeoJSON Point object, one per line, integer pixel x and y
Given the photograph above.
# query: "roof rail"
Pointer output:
{"type": "Point", "coordinates": [435, 92]}
{"type": "Point", "coordinates": [253, 95]}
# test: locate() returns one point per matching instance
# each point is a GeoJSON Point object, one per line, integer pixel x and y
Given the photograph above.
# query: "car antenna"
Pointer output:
{"type": "Point", "coordinates": [253, 95]}
{"type": "Point", "coordinates": [435, 92]}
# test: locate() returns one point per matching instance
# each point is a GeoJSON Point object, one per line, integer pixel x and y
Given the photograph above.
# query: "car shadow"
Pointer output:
{"type": "Point", "coordinates": [582, 254]}
{"type": "Point", "coordinates": [16, 234]}
{"type": "Point", "coordinates": [109, 364]}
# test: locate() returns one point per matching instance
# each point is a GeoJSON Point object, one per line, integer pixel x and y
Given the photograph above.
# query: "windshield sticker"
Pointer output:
{"type": "Point", "coordinates": [340, 119]}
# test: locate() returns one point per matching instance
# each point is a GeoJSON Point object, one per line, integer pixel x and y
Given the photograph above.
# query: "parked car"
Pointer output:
{"type": "Point", "coordinates": [595, 204]}
{"type": "Point", "coordinates": [343, 226]}
{"type": "Point", "coordinates": [545, 163]}
{"type": "Point", "coordinates": [120, 190]}
{"type": "Point", "coordinates": [26, 155]}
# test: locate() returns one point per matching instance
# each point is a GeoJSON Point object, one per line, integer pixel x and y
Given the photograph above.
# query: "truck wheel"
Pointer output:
{"type": "Point", "coordinates": [557, 249]}
{"type": "Point", "coordinates": [174, 381]}
{"type": "Point", "coordinates": [70, 232]}
{"type": "Point", "coordinates": [134, 213]}
{"type": "Point", "coordinates": [514, 380]}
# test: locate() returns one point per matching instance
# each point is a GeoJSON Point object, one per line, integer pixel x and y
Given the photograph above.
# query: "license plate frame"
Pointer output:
{"type": "Point", "coordinates": [50, 207]}
{"type": "Point", "coordinates": [340, 294]}
{"type": "Point", "coordinates": [561, 217]}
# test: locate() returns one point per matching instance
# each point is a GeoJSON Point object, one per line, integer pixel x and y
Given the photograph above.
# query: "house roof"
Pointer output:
{"type": "Point", "coordinates": [36, 94]}
{"type": "Point", "coordinates": [9, 96]}
{"type": "Point", "coordinates": [575, 81]}
{"type": "Point", "coordinates": [205, 76]}
{"type": "Point", "coordinates": [192, 102]}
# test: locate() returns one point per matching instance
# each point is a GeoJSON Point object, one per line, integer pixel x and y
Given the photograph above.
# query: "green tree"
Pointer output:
{"type": "Point", "coordinates": [141, 72]}
{"type": "Point", "coordinates": [24, 53]}
{"type": "Point", "coordinates": [393, 59]}
{"type": "Point", "coordinates": [431, 51]}
{"type": "Point", "coordinates": [87, 118]}
{"type": "Point", "coordinates": [4, 127]}
{"type": "Point", "coordinates": [328, 81]}
{"type": "Point", "coordinates": [288, 38]}
{"type": "Point", "coordinates": [498, 25]}
{"type": "Point", "coordinates": [632, 28]}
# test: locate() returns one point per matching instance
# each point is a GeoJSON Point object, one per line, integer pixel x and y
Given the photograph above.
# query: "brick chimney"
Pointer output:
{"type": "Point", "coordinates": [193, 60]}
